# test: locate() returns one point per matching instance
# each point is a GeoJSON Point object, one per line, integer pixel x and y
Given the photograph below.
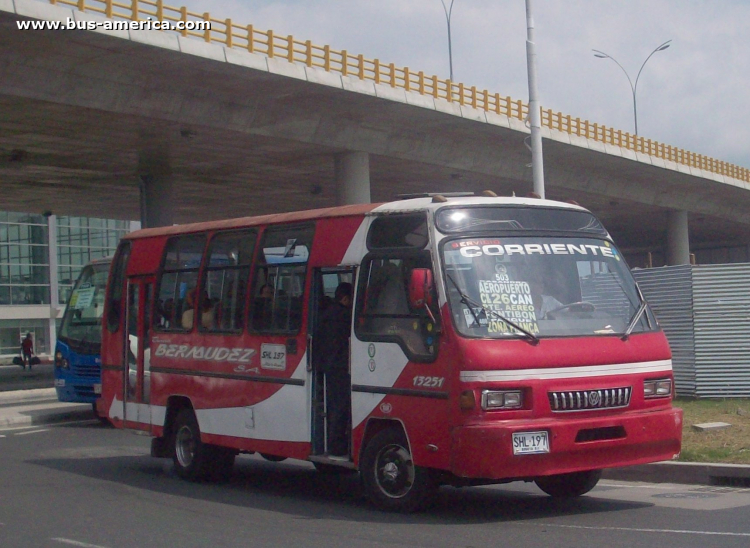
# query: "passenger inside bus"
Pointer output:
{"type": "Point", "coordinates": [207, 311]}
{"type": "Point", "coordinates": [165, 309]}
{"type": "Point", "coordinates": [331, 357]}
{"type": "Point", "coordinates": [263, 308]}
{"type": "Point", "coordinates": [544, 303]}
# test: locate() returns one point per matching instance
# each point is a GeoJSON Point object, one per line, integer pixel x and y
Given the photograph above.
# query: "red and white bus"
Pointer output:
{"type": "Point", "coordinates": [492, 340]}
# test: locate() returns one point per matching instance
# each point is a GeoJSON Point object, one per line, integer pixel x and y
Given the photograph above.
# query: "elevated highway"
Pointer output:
{"type": "Point", "coordinates": [178, 127]}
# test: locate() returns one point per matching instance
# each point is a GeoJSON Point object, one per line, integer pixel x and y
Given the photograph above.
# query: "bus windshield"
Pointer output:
{"type": "Point", "coordinates": [81, 324]}
{"type": "Point", "coordinates": [547, 286]}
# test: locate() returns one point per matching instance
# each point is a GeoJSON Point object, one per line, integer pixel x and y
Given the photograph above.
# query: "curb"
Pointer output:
{"type": "Point", "coordinates": [37, 417]}
{"type": "Point", "coordinates": [34, 394]}
{"type": "Point", "coordinates": [700, 473]}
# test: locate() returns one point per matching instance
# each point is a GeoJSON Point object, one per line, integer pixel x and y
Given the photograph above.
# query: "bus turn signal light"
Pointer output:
{"type": "Point", "coordinates": [467, 400]}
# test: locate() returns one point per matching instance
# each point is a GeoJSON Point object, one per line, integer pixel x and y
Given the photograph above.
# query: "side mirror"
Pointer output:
{"type": "Point", "coordinates": [421, 288]}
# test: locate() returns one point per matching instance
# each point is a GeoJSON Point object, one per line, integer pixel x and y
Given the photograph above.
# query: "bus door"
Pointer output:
{"type": "Point", "coordinates": [137, 382]}
{"type": "Point", "coordinates": [325, 282]}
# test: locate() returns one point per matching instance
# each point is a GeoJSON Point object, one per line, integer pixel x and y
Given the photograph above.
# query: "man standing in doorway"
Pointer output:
{"type": "Point", "coordinates": [332, 351]}
{"type": "Point", "coordinates": [27, 350]}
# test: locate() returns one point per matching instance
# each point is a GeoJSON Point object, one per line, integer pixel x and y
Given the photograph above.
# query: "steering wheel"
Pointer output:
{"type": "Point", "coordinates": [579, 306]}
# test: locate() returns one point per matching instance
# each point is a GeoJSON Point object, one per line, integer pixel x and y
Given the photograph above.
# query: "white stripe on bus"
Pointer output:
{"type": "Point", "coordinates": [660, 366]}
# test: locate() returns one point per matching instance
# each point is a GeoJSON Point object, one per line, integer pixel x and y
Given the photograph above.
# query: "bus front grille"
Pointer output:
{"type": "Point", "coordinates": [587, 400]}
{"type": "Point", "coordinates": [93, 371]}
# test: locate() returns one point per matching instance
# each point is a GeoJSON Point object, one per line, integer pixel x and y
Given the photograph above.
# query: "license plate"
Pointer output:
{"type": "Point", "coordinates": [97, 389]}
{"type": "Point", "coordinates": [529, 443]}
{"type": "Point", "coordinates": [60, 383]}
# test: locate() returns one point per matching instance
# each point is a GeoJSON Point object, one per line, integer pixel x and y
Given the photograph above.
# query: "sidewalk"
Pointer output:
{"type": "Point", "coordinates": [36, 407]}
{"type": "Point", "coordinates": [20, 408]}
{"type": "Point", "coordinates": [700, 473]}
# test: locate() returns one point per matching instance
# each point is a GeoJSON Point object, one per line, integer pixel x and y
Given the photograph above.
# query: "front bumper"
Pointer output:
{"type": "Point", "coordinates": [485, 450]}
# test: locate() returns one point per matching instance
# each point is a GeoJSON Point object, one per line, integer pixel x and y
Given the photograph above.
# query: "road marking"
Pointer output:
{"type": "Point", "coordinates": [77, 543]}
{"type": "Point", "coordinates": [31, 432]}
{"type": "Point", "coordinates": [640, 530]}
{"type": "Point", "coordinates": [674, 487]}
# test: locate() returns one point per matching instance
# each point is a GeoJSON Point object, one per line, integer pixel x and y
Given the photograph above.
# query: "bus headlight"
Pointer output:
{"type": "Point", "coordinates": [64, 363]}
{"type": "Point", "coordinates": [501, 399]}
{"type": "Point", "coordinates": [657, 388]}
{"type": "Point", "coordinates": [58, 359]}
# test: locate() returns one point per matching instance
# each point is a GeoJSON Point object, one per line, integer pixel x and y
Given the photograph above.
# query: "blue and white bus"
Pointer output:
{"type": "Point", "coordinates": [78, 348]}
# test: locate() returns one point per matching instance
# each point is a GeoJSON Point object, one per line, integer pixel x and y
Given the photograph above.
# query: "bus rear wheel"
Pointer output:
{"type": "Point", "coordinates": [390, 479]}
{"type": "Point", "coordinates": [189, 457]}
{"type": "Point", "coordinates": [569, 485]}
{"type": "Point", "coordinates": [193, 459]}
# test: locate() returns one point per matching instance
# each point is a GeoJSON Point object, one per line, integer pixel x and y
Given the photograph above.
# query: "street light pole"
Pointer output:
{"type": "Point", "coordinates": [633, 87]}
{"type": "Point", "coordinates": [535, 115]}
{"type": "Point", "coordinates": [448, 12]}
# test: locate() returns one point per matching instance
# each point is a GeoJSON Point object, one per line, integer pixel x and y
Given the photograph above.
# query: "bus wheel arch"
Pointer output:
{"type": "Point", "coordinates": [389, 476]}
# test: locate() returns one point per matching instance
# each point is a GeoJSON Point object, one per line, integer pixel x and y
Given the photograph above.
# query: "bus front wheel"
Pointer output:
{"type": "Point", "coordinates": [569, 485]}
{"type": "Point", "coordinates": [390, 479]}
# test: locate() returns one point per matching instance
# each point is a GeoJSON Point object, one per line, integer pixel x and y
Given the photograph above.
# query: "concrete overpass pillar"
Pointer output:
{"type": "Point", "coordinates": [352, 171]}
{"type": "Point", "coordinates": [678, 242]}
{"type": "Point", "coordinates": [157, 201]}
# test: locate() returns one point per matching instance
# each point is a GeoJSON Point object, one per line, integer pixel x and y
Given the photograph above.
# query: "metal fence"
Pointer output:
{"type": "Point", "coordinates": [705, 313]}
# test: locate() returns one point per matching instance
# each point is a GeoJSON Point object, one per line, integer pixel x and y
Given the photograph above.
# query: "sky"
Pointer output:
{"type": "Point", "coordinates": [694, 95]}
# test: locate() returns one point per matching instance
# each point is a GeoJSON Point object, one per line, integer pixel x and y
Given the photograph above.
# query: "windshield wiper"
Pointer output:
{"type": "Point", "coordinates": [470, 304]}
{"type": "Point", "coordinates": [636, 316]}
{"type": "Point", "coordinates": [465, 300]}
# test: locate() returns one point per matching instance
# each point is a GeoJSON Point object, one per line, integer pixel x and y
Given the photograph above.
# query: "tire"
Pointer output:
{"type": "Point", "coordinates": [569, 485]}
{"type": "Point", "coordinates": [102, 419]}
{"type": "Point", "coordinates": [332, 469]}
{"type": "Point", "coordinates": [272, 458]}
{"type": "Point", "coordinates": [190, 456]}
{"type": "Point", "coordinates": [390, 479]}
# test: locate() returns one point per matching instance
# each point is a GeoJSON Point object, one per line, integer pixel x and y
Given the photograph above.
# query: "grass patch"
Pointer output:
{"type": "Point", "coordinates": [728, 445]}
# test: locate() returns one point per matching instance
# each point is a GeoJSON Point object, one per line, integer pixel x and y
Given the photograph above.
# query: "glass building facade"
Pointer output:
{"type": "Point", "coordinates": [81, 240]}
{"type": "Point", "coordinates": [35, 271]}
{"type": "Point", "coordinates": [24, 259]}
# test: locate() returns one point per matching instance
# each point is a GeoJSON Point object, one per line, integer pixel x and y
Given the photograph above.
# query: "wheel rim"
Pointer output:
{"type": "Point", "coordinates": [185, 446]}
{"type": "Point", "coordinates": [394, 471]}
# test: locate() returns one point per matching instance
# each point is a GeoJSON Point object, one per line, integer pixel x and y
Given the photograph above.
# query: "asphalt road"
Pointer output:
{"type": "Point", "coordinates": [87, 485]}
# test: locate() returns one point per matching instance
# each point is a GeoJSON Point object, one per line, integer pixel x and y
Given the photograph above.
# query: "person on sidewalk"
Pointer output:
{"type": "Point", "coordinates": [27, 350]}
{"type": "Point", "coordinates": [332, 358]}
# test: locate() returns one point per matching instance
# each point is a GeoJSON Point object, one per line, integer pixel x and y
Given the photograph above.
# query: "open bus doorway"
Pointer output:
{"type": "Point", "coordinates": [325, 282]}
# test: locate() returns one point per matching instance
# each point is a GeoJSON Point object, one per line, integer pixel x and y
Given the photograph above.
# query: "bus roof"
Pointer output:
{"type": "Point", "coordinates": [413, 204]}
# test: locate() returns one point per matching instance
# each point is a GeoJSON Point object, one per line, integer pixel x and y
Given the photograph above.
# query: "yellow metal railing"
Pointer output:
{"type": "Point", "coordinates": [246, 37]}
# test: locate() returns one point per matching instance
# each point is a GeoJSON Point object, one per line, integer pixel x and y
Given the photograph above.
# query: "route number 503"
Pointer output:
{"type": "Point", "coordinates": [429, 382]}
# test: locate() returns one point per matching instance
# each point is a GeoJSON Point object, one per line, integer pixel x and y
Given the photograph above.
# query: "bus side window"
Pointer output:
{"type": "Point", "coordinates": [279, 281]}
{"type": "Point", "coordinates": [383, 310]}
{"type": "Point", "coordinates": [179, 276]}
{"type": "Point", "coordinates": [228, 268]}
{"type": "Point", "coordinates": [114, 316]}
